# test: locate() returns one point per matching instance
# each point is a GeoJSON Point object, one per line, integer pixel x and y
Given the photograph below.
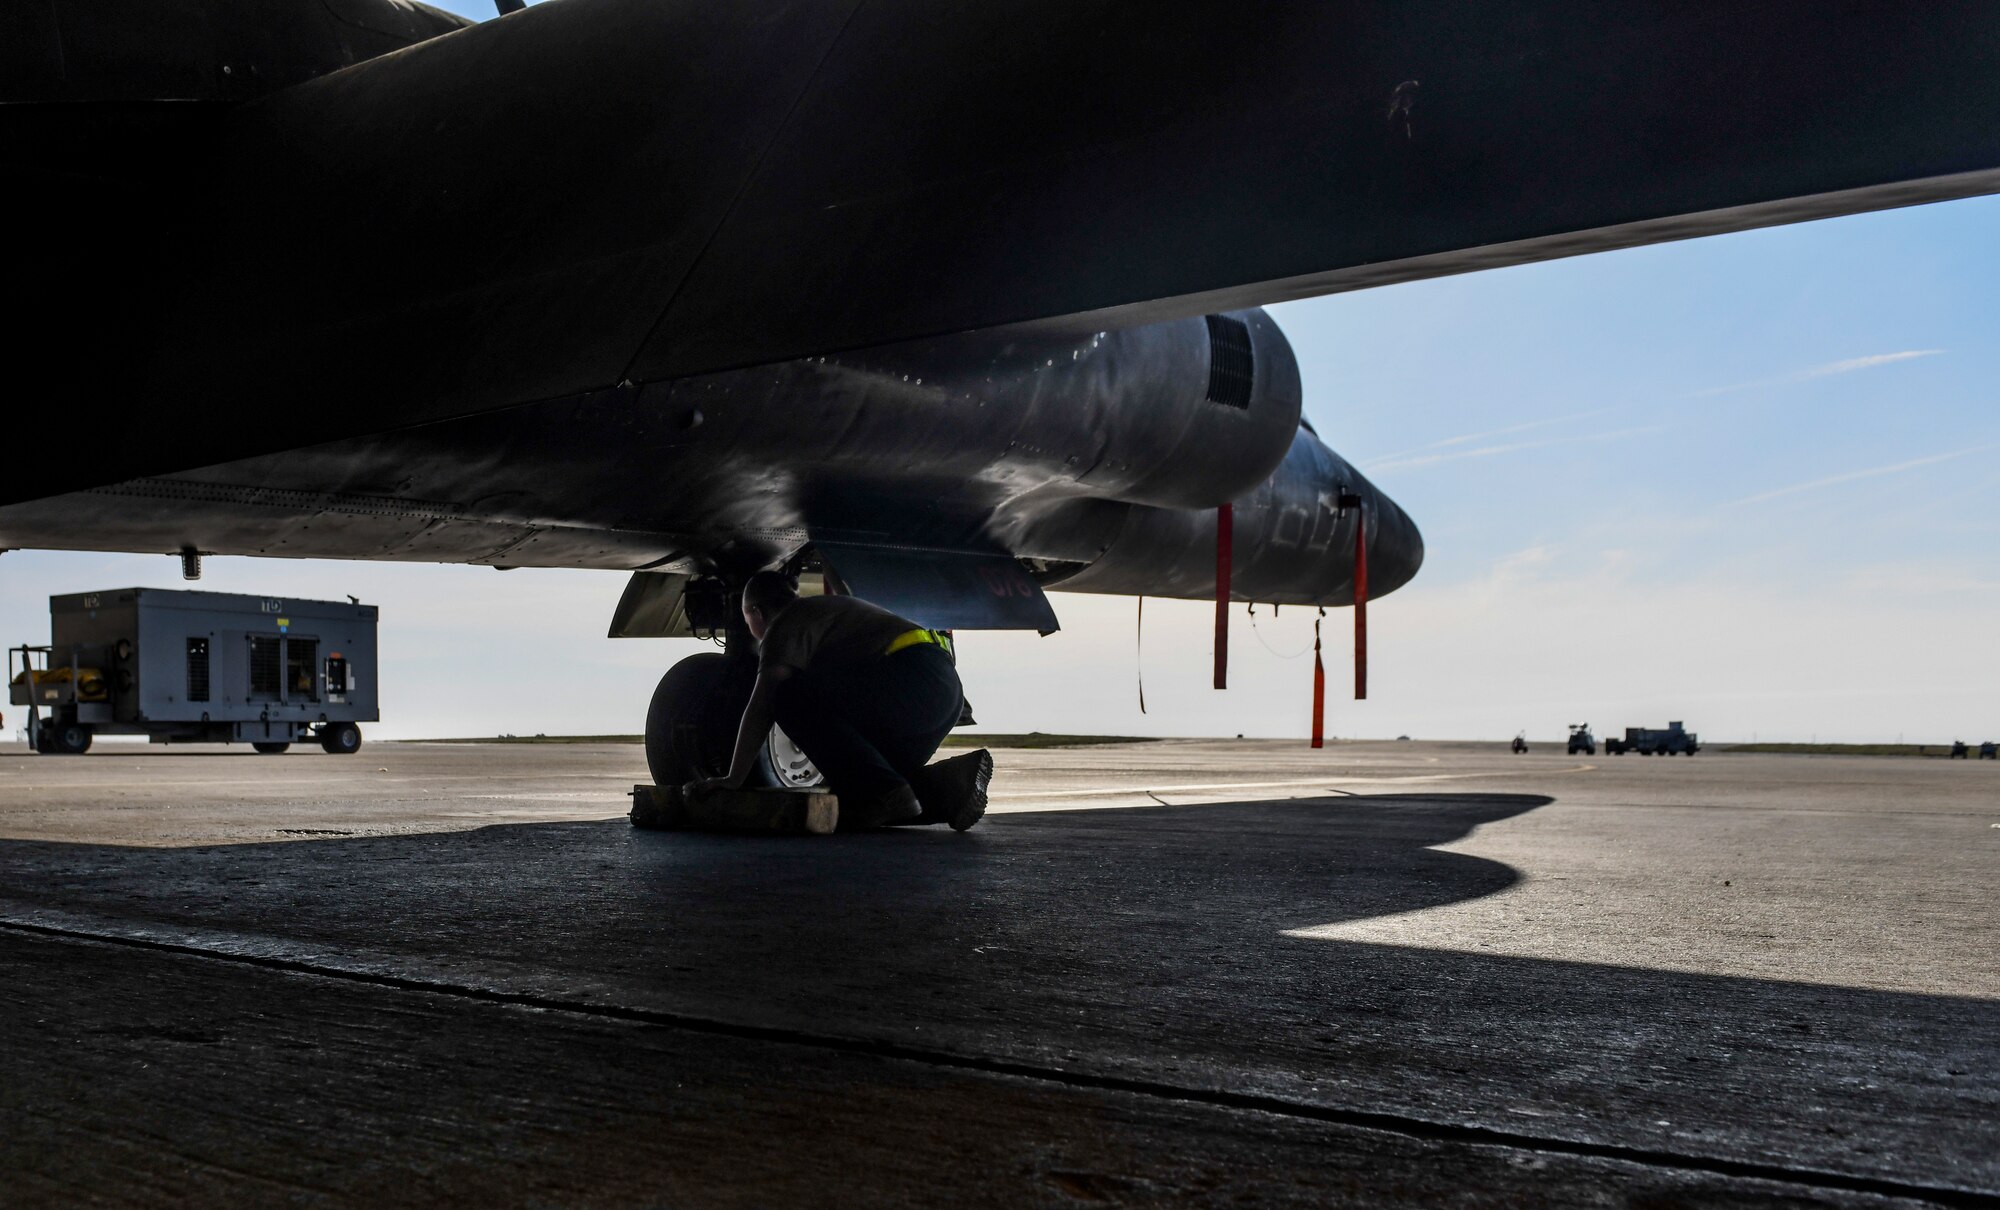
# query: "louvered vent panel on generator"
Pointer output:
{"type": "Point", "coordinates": [197, 690]}
{"type": "Point", "coordinates": [264, 672]}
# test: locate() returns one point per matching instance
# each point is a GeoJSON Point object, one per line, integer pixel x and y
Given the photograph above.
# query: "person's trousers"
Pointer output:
{"type": "Point", "coordinates": [870, 727]}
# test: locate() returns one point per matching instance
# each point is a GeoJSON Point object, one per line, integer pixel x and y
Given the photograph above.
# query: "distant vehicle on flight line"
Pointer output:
{"type": "Point", "coordinates": [1647, 741]}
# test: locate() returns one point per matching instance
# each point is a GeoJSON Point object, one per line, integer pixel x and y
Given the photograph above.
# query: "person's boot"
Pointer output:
{"type": "Point", "coordinates": [895, 806]}
{"type": "Point", "coordinates": [954, 791]}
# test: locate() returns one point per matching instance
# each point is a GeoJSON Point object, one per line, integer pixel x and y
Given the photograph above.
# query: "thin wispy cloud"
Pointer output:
{"type": "Point", "coordinates": [1413, 461]}
{"type": "Point", "coordinates": [1865, 363]}
{"type": "Point", "coordinates": [1849, 366]}
{"type": "Point", "coordinates": [1489, 434]}
{"type": "Point", "coordinates": [1517, 428]}
{"type": "Point", "coordinates": [1873, 472]}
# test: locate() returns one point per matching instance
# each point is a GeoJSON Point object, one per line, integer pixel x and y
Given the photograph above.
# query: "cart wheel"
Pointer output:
{"type": "Point", "coordinates": [341, 739]}
{"type": "Point", "coordinates": [72, 739]}
{"type": "Point", "coordinates": [270, 749]}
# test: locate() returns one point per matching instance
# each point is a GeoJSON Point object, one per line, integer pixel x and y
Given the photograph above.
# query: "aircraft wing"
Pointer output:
{"type": "Point", "coordinates": [599, 191]}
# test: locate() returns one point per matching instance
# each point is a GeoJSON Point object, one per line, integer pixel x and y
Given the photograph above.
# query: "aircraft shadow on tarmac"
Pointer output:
{"type": "Point", "coordinates": [1282, 864]}
{"type": "Point", "coordinates": [1148, 941]}
{"type": "Point", "coordinates": [1120, 911]}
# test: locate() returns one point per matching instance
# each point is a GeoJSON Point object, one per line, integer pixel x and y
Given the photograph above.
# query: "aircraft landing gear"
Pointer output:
{"type": "Point", "coordinates": [691, 727]}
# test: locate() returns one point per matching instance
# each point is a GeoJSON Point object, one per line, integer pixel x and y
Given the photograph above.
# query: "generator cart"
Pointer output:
{"type": "Point", "coordinates": [198, 667]}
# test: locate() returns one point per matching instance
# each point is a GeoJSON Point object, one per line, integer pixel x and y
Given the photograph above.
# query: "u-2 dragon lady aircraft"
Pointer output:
{"type": "Point", "coordinates": [952, 303]}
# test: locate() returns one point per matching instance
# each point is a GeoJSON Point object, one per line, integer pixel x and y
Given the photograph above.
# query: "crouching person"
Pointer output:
{"type": "Point", "coordinates": [868, 696]}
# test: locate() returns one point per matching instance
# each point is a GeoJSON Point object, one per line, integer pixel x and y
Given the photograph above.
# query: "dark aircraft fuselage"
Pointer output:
{"type": "Point", "coordinates": [1097, 458]}
{"type": "Point", "coordinates": [263, 224]}
{"type": "Point", "coordinates": [664, 284]}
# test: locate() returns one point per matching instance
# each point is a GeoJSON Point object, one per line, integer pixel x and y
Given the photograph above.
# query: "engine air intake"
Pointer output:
{"type": "Point", "coordinates": [1232, 367]}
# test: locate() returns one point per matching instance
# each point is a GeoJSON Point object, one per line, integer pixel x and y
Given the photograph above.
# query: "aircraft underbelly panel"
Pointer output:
{"type": "Point", "coordinates": [933, 467]}
{"type": "Point", "coordinates": [605, 191]}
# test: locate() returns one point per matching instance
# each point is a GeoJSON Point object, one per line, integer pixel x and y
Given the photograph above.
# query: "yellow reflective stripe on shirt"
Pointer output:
{"type": "Point", "coordinates": [911, 638]}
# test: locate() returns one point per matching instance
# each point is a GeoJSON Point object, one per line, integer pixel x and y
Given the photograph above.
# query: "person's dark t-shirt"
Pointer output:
{"type": "Point", "coordinates": [829, 632]}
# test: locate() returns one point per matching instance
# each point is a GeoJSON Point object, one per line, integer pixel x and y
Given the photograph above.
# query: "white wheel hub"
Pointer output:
{"type": "Point", "coordinates": [794, 768]}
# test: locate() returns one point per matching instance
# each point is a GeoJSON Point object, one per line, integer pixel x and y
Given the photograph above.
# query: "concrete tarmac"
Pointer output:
{"type": "Point", "coordinates": [1175, 973]}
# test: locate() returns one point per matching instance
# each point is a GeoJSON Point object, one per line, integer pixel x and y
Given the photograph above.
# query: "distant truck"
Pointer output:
{"type": "Point", "coordinates": [1648, 741]}
{"type": "Point", "coordinates": [198, 667]}
{"type": "Point", "coordinates": [1581, 740]}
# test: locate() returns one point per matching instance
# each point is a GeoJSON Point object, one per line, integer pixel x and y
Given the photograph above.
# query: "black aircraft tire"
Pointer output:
{"type": "Point", "coordinates": [341, 739]}
{"type": "Point", "coordinates": [270, 749]}
{"type": "Point", "coordinates": [692, 721]}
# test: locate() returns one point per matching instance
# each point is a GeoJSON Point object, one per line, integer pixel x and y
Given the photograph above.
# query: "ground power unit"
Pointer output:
{"type": "Point", "coordinates": [198, 667]}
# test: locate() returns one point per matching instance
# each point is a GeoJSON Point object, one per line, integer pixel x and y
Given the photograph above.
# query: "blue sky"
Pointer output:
{"type": "Point", "coordinates": [478, 10]}
{"type": "Point", "coordinates": [1752, 482]}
